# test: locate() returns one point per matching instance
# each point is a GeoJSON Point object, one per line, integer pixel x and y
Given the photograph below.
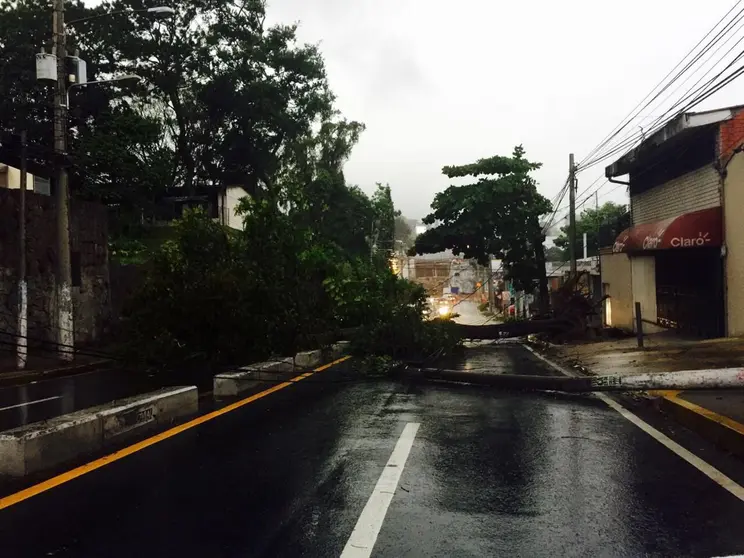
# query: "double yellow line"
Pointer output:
{"type": "Point", "coordinates": [72, 474]}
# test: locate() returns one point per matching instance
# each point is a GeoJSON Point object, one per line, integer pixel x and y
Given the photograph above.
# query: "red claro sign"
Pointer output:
{"type": "Point", "coordinates": [690, 230]}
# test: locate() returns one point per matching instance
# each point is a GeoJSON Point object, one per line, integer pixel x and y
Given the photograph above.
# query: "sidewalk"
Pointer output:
{"type": "Point", "coordinates": [44, 365]}
{"type": "Point", "coordinates": [717, 415]}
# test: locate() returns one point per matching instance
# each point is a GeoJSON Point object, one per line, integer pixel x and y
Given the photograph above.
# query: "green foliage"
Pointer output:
{"type": "Point", "coordinates": [224, 99]}
{"type": "Point", "coordinates": [404, 336]}
{"type": "Point", "coordinates": [128, 251]}
{"type": "Point", "coordinates": [190, 305]}
{"type": "Point", "coordinates": [555, 254]}
{"type": "Point", "coordinates": [384, 225]}
{"type": "Point", "coordinates": [497, 216]}
{"type": "Point", "coordinates": [244, 295]}
{"type": "Point", "coordinates": [589, 222]}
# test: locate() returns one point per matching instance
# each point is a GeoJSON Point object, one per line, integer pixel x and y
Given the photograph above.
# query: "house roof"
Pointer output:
{"type": "Point", "coordinates": [675, 129]}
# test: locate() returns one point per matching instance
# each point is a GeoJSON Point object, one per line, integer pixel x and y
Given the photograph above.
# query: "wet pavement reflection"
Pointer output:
{"type": "Point", "coordinates": [490, 473]}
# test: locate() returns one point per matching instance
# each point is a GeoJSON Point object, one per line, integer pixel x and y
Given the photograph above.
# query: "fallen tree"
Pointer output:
{"type": "Point", "coordinates": [512, 329]}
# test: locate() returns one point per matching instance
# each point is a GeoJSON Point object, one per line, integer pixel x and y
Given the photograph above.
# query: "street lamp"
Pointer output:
{"type": "Point", "coordinates": [115, 79]}
{"type": "Point", "coordinates": [159, 11]}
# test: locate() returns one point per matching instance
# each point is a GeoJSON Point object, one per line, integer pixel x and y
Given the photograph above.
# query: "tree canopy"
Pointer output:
{"type": "Point", "coordinates": [497, 216]}
{"type": "Point", "coordinates": [590, 221]}
{"type": "Point", "coordinates": [225, 99]}
{"type": "Point", "coordinates": [224, 96]}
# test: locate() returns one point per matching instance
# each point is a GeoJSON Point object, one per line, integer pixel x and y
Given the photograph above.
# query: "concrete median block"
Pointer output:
{"type": "Point", "coordinates": [140, 412]}
{"type": "Point", "coordinates": [252, 376]}
{"type": "Point", "coordinates": [308, 359]}
{"type": "Point", "coordinates": [41, 445]}
{"type": "Point", "coordinates": [33, 447]}
{"type": "Point", "coordinates": [229, 384]}
{"type": "Point", "coordinates": [342, 348]}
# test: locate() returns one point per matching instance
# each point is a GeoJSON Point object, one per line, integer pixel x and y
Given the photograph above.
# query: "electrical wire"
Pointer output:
{"type": "Point", "coordinates": [692, 97]}
{"type": "Point", "coordinates": [636, 111]}
{"type": "Point", "coordinates": [556, 207]}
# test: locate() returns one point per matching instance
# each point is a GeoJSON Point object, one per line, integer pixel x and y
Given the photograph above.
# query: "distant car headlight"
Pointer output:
{"type": "Point", "coordinates": [444, 310]}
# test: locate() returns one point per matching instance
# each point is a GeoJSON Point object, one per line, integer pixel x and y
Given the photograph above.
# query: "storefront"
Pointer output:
{"type": "Point", "coordinates": [677, 271]}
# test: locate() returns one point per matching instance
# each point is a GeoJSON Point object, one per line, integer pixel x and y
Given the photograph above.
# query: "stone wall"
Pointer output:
{"type": "Point", "coordinates": [89, 247]}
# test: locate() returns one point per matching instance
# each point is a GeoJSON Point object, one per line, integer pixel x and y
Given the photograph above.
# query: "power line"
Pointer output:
{"type": "Point", "coordinates": [635, 112]}
{"type": "Point", "coordinates": [695, 97]}
{"type": "Point", "coordinates": [561, 195]}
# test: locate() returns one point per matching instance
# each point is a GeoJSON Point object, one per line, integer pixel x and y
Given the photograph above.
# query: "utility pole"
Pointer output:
{"type": "Point", "coordinates": [65, 338]}
{"type": "Point", "coordinates": [22, 337]}
{"type": "Point", "coordinates": [491, 289]}
{"type": "Point", "coordinates": [571, 213]}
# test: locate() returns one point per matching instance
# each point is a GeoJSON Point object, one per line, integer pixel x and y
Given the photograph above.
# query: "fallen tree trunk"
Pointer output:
{"type": "Point", "coordinates": [512, 329]}
{"type": "Point", "coordinates": [314, 340]}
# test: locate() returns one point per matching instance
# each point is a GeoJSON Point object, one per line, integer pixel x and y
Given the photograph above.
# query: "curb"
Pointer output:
{"type": "Point", "coordinates": [721, 430]}
{"type": "Point", "coordinates": [9, 379]}
{"type": "Point", "coordinates": [726, 433]}
{"type": "Point", "coordinates": [42, 445]}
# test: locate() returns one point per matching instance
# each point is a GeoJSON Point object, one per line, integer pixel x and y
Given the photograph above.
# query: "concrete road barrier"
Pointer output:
{"type": "Point", "coordinates": [228, 384]}
{"type": "Point", "coordinates": [340, 349]}
{"type": "Point", "coordinates": [246, 378]}
{"type": "Point", "coordinates": [132, 414]}
{"type": "Point", "coordinates": [44, 444]}
{"type": "Point", "coordinates": [308, 359]}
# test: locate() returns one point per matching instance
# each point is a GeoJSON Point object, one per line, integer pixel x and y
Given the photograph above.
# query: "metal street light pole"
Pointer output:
{"type": "Point", "coordinates": [162, 11]}
{"type": "Point", "coordinates": [125, 77]}
{"type": "Point", "coordinates": [64, 308]}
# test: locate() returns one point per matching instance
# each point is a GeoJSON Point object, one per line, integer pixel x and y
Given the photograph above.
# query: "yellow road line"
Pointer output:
{"type": "Point", "coordinates": [665, 393]}
{"type": "Point", "coordinates": [707, 413]}
{"type": "Point", "coordinates": [72, 474]}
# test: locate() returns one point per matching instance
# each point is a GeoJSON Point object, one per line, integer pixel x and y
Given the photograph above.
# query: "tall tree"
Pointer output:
{"type": "Point", "coordinates": [234, 91]}
{"type": "Point", "coordinates": [496, 216]}
{"type": "Point", "coordinates": [384, 225]}
{"type": "Point", "coordinates": [590, 222]}
{"type": "Point", "coordinates": [555, 254]}
{"type": "Point", "coordinates": [312, 183]}
{"type": "Point", "coordinates": [227, 93]}
{"type": "Point", "coordinates": [114, 150]}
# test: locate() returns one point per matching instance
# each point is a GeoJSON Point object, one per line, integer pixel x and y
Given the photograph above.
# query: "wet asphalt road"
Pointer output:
{"type": "Point", "coordinates": [468, 313]}
{"type": "Point", "coordinates": [488, 474]}
{"type": "Point", "coordinates": [41, 400]}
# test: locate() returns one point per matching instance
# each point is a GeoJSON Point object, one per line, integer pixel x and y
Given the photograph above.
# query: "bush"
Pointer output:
{"type": "Point", "coordinates": [220, 296]}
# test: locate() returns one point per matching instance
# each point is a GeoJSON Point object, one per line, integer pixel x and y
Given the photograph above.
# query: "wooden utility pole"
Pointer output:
{"type": "Point", "coordinates": [65, 338]}
{"type": "Point", "coordinates": [22, 336]}
{"type": "Point", "coordinates": [572, 213]}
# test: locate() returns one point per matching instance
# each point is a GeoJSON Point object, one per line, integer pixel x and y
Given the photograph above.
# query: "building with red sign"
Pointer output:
{"type": "Point", "coordinates": [682, 258]}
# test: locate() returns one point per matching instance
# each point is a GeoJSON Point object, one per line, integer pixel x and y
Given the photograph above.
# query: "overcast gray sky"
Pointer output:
{"type": "Point", "coordinates": [442, 83]}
